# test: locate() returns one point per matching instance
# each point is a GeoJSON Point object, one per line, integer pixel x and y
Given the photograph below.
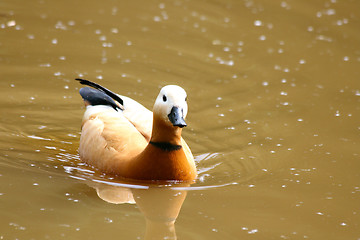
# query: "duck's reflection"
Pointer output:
{"type": "Point", "coordinates": [159, 204]}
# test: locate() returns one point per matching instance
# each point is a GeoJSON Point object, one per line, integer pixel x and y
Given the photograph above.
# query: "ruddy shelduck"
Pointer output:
{"type": "Point", "coordinates": [121, 137]}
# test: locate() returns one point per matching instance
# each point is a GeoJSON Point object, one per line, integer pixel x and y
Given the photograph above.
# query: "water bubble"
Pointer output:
{"type": "Point", "coordinates": [216, 42]}
{"type": "Point", "coordinates": [258, 23]}
{"type": "Point", "coordinates": [330, 12]}
{"type": "Point", "coordinates": [230, 63]}
{"type": "Point", "coordinates": [114, 30]}
{"type": "Point", "coordinates": [157, 19]}
{"type": "Point", "coordinates": [284, 4]}
{"type": "Point", "coordinates": [49, 147]}
{"type": "Point", "coordinates": [253, 231]}
{"type": "Point", "coordinates": [44, 65]}
{"type": "Point", "coordinates": [262, 38]}
{"type": "Point", "coordinates": [324, 38]}
{"type": "Point", "coordinates": [11, 23]}
{"type": "Point", "coordinates": [226, 49]}
{"type": "Point", "coordinates": [60, 25]}
{"type": "Point", "coordinates": [109, 45]}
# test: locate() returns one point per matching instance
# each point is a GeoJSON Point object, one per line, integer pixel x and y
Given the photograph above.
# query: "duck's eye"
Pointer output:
{"type": "Point", "coordinates": [164, 98]}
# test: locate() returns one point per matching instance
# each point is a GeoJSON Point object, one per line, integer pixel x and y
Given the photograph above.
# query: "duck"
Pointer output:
{"type": "Point", "coordinates": [122, 138]}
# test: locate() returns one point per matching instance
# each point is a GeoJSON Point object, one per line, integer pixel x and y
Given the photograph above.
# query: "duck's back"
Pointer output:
{"type": "Point", "coordinates": [108, 140]}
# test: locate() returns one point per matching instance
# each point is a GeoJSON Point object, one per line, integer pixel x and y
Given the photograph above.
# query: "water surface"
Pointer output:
{"type": "Point", "coordinates": [274, 103]}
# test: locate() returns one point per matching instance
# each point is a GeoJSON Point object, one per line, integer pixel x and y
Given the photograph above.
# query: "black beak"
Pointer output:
{"type": "Point", "coordinates": [176, 117]}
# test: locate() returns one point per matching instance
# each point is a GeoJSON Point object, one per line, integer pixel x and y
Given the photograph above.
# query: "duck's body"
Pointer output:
{"type": "Point", "coordinates": [125, 139]}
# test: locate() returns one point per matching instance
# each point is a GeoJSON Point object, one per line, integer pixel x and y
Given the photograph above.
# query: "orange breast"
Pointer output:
{"type": "Point", "coordinates": [155, 163]}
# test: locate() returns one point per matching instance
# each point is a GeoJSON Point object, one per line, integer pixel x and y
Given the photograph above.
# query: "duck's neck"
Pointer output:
{"type": "Point", "coordinates": [164, 157]}
{"type": "Point", "coordinates": [165, 135]}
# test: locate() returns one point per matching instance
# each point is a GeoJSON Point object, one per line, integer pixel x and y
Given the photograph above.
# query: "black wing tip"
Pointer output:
{"type": "Point", "coordinates": [82, 81]}
{"type": "Point", "coordinates": [101, 88]}
{"type": "Point", "coordinates": [85, 82]}
{"type": "Point", "coordinates": [91, 84]}
{"type": "Point", "coordinates": [96, 97]}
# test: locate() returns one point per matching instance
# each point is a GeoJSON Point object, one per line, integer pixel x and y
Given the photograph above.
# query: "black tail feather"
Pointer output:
{"type": "Point", "coordinates": [96, 97]}
{"type": "Point", "coordinates": [101, 88]}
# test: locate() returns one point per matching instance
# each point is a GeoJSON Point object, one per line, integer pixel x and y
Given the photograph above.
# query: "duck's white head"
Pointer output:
{"type": "Point", "coordinates": [171, 105]}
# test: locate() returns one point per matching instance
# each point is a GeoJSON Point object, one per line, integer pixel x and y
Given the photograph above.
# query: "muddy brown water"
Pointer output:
{"type": "Point", "coordinates": [274, 104]}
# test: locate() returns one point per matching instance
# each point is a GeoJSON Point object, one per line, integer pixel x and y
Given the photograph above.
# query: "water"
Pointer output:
{"type": "Point", "coordinates": [273, 91]}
